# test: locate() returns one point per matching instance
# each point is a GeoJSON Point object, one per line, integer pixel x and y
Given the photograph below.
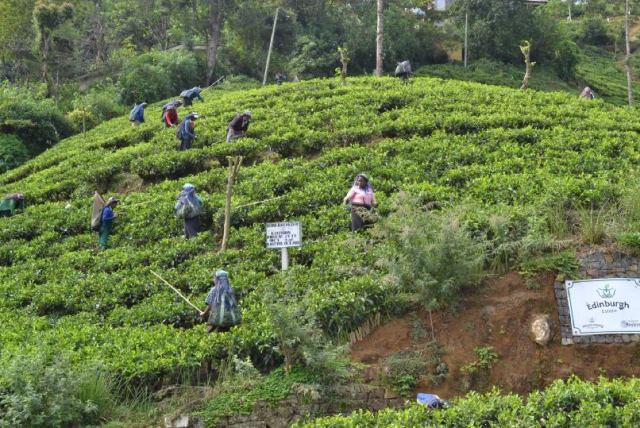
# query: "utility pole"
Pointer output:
{"type": "Point", "coordinates": [273, 34]}
{"type": "Point", "coordinates": [466, 44]}
{"type": "Point", "coordinates": [627, 57]}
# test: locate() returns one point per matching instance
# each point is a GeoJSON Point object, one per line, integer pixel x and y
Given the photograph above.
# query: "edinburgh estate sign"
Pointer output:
{"type": "Point", "coordinates": [604, 306]}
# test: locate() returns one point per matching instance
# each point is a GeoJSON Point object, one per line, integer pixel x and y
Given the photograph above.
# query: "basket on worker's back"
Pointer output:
{"type": "Point", "coordinates": [10, 204]}
{"type": "Point", "coordinates": [224, 310]}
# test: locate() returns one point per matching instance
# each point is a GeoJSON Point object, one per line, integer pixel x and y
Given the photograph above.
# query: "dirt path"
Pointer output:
{"type": "Point", "coordinates": [498, 315]}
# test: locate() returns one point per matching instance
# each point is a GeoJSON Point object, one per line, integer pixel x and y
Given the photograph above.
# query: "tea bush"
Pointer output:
{"type": "Point", "coordinates": [503, 153]}
{"type": "Point", "coordinates": [563, 404]}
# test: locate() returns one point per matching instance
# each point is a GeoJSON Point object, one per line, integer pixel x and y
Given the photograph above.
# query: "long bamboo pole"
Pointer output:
{"type": "Point", "coordinates": [179, 293]}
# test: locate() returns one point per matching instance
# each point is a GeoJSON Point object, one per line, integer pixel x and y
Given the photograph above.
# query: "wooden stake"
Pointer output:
{"type": "Point", "coordinates": [234, 166]}
{"type": "Point", "coordinates": [526, 52]}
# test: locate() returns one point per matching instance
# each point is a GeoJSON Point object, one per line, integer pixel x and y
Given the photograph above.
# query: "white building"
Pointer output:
{"type": "Point", "coordinates": [446, 4]}
{"type": "Point", "coordinates": [442, 4]}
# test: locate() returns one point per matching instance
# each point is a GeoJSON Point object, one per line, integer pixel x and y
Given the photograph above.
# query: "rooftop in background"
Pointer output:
{"type": "Point", "coordinates": [446, 4]}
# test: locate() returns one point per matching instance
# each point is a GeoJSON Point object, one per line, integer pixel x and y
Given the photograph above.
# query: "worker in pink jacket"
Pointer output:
{"type": "Point", "coordinates": [361, 198]}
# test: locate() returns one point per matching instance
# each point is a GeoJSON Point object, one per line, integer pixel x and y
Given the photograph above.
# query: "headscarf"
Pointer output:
{"type": "Point", "coordinates": [173, 105]}
{"type": "Point", "coordinates": [188, 194]}
{"type": "Point", "coordinates": [222, 287]}
{"type": "Point", "coordinates": [367, 186]}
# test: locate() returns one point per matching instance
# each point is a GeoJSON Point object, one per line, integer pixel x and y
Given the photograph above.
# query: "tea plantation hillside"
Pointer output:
{"type": "Point", "coordinates": [502, 151]}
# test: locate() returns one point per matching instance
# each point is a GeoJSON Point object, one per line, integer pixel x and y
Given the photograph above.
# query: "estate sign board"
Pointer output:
{"type": "Point", "coordinates": [604, 306]}
{"type": "Point", "coordinates": [284, 234]}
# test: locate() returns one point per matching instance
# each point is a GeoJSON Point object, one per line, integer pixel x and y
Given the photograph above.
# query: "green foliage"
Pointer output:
{"type": "Point", "coordinates": [496, 27]}
{"type": "Point", "coordinates": [81, 119]}
{"type": "Point", "coordinates": [593, 223]}
{"type": "Point", "coordinates": [494, 72]}
{"type": "Point", "coordinates": [595, 31]}
{"type": "Point", "coordinates": [101, 101]}
{"type": "Point", "coordinates": [630, 205]}
{"type": "Point", "coordinates": [599, 68]}
{"type": "Point", "coordinates": [234, 397]}
{"type": "Point", "coordinates": [486, 358]}
{"type": "Point", "coordinates": [429, 253]}
{"type": "Point", "coordinates": [156, 75]}
{"type": "Point", "coordinates": [49, 392]}
{"type": "Point", "coordinates": [566, 59]}
{"type": "Point", "coordinates": [564, 403]}
{"type": "Point", "coordinates": [35, 121]}
{"type": "Point", "coordinates": [507, 154]}
{"type": "Point", "coordinates": [300, 342]}
{"type": "Point", "coordinates": [564, 263]}
{"type": "Point", "coordinates": [403, 371]}
{"type": "Point", "coordinates": [12, 152]}
{"type": "Point", "coordinates": [631, 241]}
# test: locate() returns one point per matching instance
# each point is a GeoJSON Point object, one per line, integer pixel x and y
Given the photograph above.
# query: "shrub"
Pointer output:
{"type": "Point", "coordinates": [35, 121]}
{"type": "Point", "coordinates": [12, 152]}
{"type": "Point", "coordinates": [563, 404]}
{"type": "Point", "coordinates": [595, 31]}
{"type": "Point", "coordinates": [157, 75]}
{"type": "Point", "coordinates": [593, 223]}
{"type": "Point", "coordinates": [429, 253]}
{"type": "Point", "coordinates": [49, 392]}
{"type": "Point", "coordinates": [81, 119]}
{"type": "Point", "coordinates": [403, 371]}
{"type": "Point", "coordinates": [506, 151]}
{"type": "Point", "coordinates": [301, 342]}
{"type": "Point", "coordinates": [486, 357]}
{"type": "Point", "coordinates": [566, 59]}
{"type": "Point", "coordinates": [101, 101]}
{"type": "Point", "coordinates": [631, 241]}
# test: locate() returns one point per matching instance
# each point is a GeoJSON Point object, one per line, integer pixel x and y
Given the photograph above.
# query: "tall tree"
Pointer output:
{"type": "Point", "coordinates": [47, 19]}
{"type": "Point", "coordinates": [496, 27]}
{"type": "Point", "coordinates": [379, 36]}
{"type": "Point", "coordinates": [16, 36]}
{"type": "Point", "coordinates": [216, 15]}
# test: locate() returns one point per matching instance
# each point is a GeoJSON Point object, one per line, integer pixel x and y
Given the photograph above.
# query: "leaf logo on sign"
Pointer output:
{"type": "Point", "coordinates": [607, 292]}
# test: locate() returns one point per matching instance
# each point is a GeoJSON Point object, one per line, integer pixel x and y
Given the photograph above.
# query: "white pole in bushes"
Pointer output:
{"type": "Point", "coordinates": [285, 258]}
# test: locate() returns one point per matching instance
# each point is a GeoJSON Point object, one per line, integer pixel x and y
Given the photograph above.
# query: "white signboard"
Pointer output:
{"type": "Point", "coordinates": [604, 306]}
{"type": "Point", "coordinates": [284, 234]}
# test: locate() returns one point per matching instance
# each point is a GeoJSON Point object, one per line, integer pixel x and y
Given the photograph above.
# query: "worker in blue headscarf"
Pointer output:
{"type": "Point", "coordinates": [188, 208]}
{"type": "Point", "coordinates": [222, 310]}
